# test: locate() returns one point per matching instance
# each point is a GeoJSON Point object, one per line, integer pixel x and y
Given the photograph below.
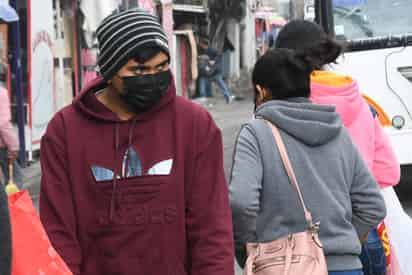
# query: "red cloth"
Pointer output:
{"type": "Point", "coordinates": [32, 250]}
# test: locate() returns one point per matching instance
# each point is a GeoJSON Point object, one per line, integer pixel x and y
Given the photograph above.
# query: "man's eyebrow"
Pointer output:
{"type": "Point", "coordinates": [143, 67]}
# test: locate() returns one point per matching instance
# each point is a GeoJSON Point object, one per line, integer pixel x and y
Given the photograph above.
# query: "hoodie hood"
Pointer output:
{"type": "Point", "coordinates": [88, 103]}
{"type": "Point", "coordinates": [339, 91]}
{"type": "Point", "coordinates": [312, 124]}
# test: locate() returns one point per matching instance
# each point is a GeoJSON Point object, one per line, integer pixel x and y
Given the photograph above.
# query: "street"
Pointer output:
{"type": "Point", "coordinates": [229, 118]}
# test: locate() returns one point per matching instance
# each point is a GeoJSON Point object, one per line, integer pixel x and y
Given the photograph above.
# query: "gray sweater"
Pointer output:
{"type": "Point", "coordinates": [336, 184]}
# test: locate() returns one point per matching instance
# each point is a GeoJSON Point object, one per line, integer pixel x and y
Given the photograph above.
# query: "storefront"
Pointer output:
{"type": "Point", "coordinates": [52, 53]}
{"type": "Point", "coordinates": [43, 52]}
{"type": "Point", "coordinates": [190, 22]}
{"type": "Point", "coordinates": [8, 16]}
{"type": "Point", "coordinates": [267, 25]}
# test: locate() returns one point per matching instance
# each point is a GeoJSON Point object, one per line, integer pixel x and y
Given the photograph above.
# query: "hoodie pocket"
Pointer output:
{"type": "Point", "coordinates": [125, 250]}
{"type": "Point", "coordinates": [130, 250]}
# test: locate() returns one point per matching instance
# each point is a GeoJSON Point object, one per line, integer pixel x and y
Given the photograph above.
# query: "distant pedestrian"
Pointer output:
{"type": "Point", "coordinates": [9, 144]}
{"type": "Point", "coordinates": [132, 174]}
{"type": "Point", "coordinates": [342, 91]}
{"type": "Point", "coordinates": [336, 184]}
{"type": "Point", "coordinates": [210, 70]}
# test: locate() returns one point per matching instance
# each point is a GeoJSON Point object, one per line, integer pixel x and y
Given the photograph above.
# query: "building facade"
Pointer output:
{"type": "Point", "coordinates": [58, 49]}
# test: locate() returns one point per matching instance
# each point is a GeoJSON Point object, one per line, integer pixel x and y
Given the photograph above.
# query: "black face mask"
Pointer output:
{"type": "Point", "coordinates": [144, 91]}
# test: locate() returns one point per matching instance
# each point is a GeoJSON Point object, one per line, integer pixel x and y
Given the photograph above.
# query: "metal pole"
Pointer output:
{"type": "Point", "coordinates": [297, 9]}
{"type": "Point", "coordinates": [17, 84]}
{"type": "Point", "coordinates": [324, 15]}
{"type": "Point", "coordinates": [78, 70]}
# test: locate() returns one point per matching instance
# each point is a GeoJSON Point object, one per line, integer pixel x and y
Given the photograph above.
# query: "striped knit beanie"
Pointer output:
{"type": "Point", "coordinates": [123, 33]}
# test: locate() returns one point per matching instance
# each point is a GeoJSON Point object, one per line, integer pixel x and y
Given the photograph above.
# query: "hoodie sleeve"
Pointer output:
{"type": "Point", "coordinates": [368, 206]}
{"type": "Point", "coordinates": [7, 132]}
{"type": "Point", "coordinates": [5, 235]}
{"type": "Point", "coordinates": [386, 167]}
{"type": "Point", "coordinates": [245, 187]}
{"type": "Point", "coordinates": [57, 211]}
{"type": "Point", "coordinates": [208, 215]}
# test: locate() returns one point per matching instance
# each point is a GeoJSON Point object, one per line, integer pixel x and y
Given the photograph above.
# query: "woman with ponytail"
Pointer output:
{"type": "Point", "coordinates": [336, 184]}
{"type": "Point", "coordinates": [329, 88]}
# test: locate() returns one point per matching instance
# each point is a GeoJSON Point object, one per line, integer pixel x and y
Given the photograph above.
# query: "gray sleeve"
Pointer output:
{"type": "Point", "coordinates": [245, 187]}
{"type": "Point", "coordinates": [368, 205]}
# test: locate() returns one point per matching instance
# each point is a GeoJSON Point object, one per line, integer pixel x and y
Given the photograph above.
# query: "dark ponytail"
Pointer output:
{"type": "Point", "coordinates": [321, 53]}
{"type": "Point", "coordinates": [310, 41]}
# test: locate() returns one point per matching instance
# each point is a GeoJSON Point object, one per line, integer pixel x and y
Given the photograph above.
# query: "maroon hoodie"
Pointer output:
{"type": "Point", "coordinates": [162, 224]}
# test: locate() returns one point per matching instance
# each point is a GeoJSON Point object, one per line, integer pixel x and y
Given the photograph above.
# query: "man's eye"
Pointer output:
{"type": "Point", "coordinates": [139, 71]}
{"type": "Point", "coordinates": [162, 67]}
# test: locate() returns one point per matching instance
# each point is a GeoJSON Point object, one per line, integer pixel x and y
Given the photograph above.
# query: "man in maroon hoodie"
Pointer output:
{"type": "Point", "coordinates": [132, 175]}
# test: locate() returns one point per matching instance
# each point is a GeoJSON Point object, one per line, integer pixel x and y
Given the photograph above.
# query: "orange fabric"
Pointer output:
{"type": "Point", "coordinates": [383, 234]}
{"type": "Point", "coordinates": [32, 250]}
{"type": "Point", "coordinates": [382, 116]}
{"type": "Point", "coordinates": [330, 79]}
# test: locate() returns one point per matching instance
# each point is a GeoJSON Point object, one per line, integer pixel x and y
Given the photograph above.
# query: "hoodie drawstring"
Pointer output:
{"type": "Point", "coordinates": [114, 189]}
{"type": "Point", "coordinates": [115, 196]}
{"type": "Point", "coordinates": [131, 131]}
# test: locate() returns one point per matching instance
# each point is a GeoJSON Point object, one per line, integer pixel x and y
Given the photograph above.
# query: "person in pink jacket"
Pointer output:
{"type": "Point", "coordinates": [364, 128]}
{"type": "Point", "coordinates": [360, 119]}
{"type": "Point", "coordinates": [9, 145]}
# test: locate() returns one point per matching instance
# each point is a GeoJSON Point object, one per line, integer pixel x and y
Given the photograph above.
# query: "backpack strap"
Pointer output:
{"type": "Point", "coordinates": [289, 170]}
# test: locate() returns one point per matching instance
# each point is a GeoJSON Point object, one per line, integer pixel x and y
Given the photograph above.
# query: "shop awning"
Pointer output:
{"type": "Point", "coordinates": [189, 8]}
{"type": "Point", "coordinates": [7, 13]}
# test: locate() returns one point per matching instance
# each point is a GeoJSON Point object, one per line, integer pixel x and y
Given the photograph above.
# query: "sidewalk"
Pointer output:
{"type": "Point", "coordinates": [32, 175]}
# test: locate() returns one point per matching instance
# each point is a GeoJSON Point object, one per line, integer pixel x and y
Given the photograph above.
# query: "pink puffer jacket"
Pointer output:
{"type": "Point", "coordinates": [374, 145]}
{"type": "Point", "coordinates": [8, 136]}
